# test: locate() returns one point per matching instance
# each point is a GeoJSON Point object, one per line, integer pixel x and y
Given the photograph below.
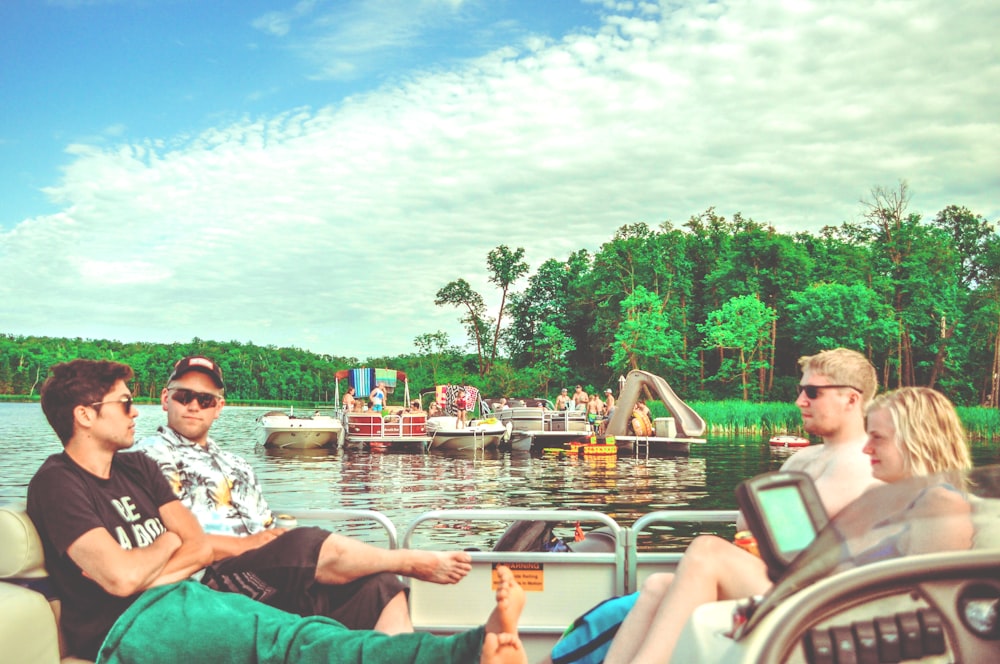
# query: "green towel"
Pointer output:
{"type": "Point", "coordinates": [188, 622]}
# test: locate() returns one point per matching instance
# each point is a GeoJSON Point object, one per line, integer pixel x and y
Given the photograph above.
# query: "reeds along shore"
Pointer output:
{"type": "Point", "coordinates": [748, 418]}
{"type": "Point", "coordinates": [723, 417]}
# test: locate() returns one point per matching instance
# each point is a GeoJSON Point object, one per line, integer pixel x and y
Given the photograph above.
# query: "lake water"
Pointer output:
{"type": "Point", "coordinates": [404, 485]}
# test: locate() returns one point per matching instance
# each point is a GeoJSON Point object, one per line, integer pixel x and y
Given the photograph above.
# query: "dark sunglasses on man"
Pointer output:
{"type": "Point", "coordinates": [812, 391]}
{"type": "Point", "coordinates": [126, 402]}
{"type": "Point", "coordinates": [185, 396]}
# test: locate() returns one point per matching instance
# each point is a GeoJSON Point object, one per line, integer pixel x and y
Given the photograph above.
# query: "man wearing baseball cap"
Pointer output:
{"type": "Point", "coordinates": [308, 571]}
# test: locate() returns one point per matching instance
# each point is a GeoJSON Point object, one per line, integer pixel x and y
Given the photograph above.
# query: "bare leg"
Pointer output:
{"type": "Point", "coordinates": [501, 645]}
{"type": "Point", "coordinates": [635, 628]}
{"type": "Point", "coordinates": [395, 617]}
{"type": "Point", "coordinates": [712, 569]}
{"type": "Point", "coordinates": [342, 560]}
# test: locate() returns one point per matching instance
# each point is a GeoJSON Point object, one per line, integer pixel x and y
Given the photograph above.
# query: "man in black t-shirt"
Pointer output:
{"type": "Point", "coordinates": [110, 525]}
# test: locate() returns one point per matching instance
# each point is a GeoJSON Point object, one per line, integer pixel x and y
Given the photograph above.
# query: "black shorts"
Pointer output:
{"type": "Point", "coordinates": [282, 574]}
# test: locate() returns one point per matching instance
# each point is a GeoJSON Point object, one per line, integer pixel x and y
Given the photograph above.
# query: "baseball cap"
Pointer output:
{"type": "Point", "coordinates": [607, 391]}
{"type": "Point", "coordinates": [198, 363]}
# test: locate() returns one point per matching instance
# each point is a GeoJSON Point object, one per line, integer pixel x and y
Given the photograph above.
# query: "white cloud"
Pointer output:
{"type": "Point", "coordinates": [333, 228]}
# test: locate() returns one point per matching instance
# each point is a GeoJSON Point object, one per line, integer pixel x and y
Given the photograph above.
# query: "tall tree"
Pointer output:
{"type": "Point", "coordinates": [505, 267]}
{"type": "Point", "coordinates": [644, 338]}
{"type": "Point", "coordinates": [742, 324]}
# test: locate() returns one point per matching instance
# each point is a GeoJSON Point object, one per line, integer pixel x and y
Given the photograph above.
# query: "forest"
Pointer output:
{"type": "Point", "coordinates": [722, 308]}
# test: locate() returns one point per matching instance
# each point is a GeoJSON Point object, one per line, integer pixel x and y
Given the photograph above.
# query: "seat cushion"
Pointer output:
{"type": "Point", "coordinates": [28, 628]}
{"type": "Point", "coordinates": [21, 554]}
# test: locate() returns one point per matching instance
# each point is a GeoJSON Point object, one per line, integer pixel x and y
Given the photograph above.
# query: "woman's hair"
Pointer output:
{"type": "Point", "coordinates": [844, 367]}
{"type": "Point", "coordinates": [78, 383]}
{"type": "Point", "coordinates": [928, 432]}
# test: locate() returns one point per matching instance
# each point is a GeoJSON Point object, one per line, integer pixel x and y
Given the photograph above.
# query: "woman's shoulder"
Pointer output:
{"type": "Point", "coordinates": [937, 500]}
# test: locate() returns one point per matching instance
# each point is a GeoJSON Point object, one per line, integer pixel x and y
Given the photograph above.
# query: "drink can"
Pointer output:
{"type": "Point", "coordinates": [285, 521]}
{"type": "Point", "coordinates": [746, 541]}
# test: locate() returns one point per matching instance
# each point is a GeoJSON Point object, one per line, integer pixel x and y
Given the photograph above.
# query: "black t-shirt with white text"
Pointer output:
{"type": "Point", "coordinates": [65, 502]}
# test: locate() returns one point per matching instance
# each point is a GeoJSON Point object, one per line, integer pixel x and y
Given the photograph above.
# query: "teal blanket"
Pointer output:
{"type": "Point", "coordinates": [188, 622]}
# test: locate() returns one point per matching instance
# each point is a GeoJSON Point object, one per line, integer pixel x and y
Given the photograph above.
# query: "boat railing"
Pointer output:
{"type": "Point", "coordinates": [640, 564]}
{"type": "Point", "coordinates": [369, 517]}
{"type": "Point", "coordinates": [336, 412]}
{"type": "Point", "coordinates": [559, 585]}
{"type": "Point", "coordinates": [373, 425]}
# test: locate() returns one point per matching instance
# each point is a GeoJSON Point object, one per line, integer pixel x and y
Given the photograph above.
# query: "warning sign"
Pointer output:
{"type": "Point", "coordinates": [531, 576]}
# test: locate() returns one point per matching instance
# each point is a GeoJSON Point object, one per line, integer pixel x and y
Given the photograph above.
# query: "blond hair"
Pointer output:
{"type": "Point", "coordinates": [928, 432]}
{"type": "Point", "coordinates": [844, 367]}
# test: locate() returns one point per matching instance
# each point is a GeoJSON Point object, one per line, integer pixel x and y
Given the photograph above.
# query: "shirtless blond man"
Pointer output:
{"type": "Point", "coordinates": [835, 389]}
{"type": "Point", "coordinates": [580, 398]}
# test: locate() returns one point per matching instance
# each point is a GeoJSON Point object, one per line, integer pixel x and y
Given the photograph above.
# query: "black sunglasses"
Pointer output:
{"type": "Point", "coordinates": [185, 396]}
{"type": "Point", "coordinates": [126, 403]}
{"type": "Point", "coordinates": [812, 391]}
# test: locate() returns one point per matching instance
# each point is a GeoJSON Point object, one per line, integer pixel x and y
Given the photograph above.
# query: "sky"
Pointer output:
{"type": "Point", "coordinates": [311, 173]}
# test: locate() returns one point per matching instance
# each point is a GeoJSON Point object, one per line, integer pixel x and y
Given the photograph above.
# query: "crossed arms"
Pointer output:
{"type": "Point", "coordinates": [175, 555]}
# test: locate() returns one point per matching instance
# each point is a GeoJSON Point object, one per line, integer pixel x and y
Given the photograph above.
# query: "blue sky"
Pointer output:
{"type": "Point", "coordinates": [311, 173]}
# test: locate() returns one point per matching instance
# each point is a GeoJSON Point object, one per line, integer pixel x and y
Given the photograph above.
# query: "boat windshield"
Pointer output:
{"type": "Point", "coordinates": [937, 513]}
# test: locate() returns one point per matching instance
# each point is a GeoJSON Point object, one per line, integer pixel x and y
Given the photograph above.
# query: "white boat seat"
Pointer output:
{"type": "Point", "coordinates": [29, 623]}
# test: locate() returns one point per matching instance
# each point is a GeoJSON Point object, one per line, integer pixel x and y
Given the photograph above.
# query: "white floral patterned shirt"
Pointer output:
{"type": "Point", "coordinates": [218, 486]}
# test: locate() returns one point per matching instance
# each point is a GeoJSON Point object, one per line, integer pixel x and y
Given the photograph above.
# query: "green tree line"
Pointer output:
{"type": "Point", "coordinates": [722, 308]}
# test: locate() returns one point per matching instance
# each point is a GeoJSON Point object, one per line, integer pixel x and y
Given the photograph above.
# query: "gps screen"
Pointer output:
{"type": "Point", "coordinates": [789, 522]}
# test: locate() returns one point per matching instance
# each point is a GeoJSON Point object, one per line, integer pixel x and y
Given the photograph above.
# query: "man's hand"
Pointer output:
{"type": "Point", "coordinates": [258, 540]}
{"type": "Point", "coordinates": [227, 546]}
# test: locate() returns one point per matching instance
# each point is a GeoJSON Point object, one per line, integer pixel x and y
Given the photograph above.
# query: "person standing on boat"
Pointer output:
{"type": "Point", "coordinates": [349, 400]}
{"type": "Point", "coordinates": [580, 398]}
{"type": "Point", "coordinates": [305, 570]}
{"type": "Point", "coordinates": [562, 401]}
{"type": "Point", "coordinates": [461, 405]}
{"type": "Point", "coordinates": [595, 409]}
{"type": "Point", "coordinates": [377, 398]}
{"type": "Point", "coordinates": [135, 571]}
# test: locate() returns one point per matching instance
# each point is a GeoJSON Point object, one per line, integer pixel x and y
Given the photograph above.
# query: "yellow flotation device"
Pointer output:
{"type": "Point", "coordinates": [641, 425]}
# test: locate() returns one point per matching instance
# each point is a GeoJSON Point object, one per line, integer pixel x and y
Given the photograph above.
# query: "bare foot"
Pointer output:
{"type": "Point", "coordinates": [510, 603]}
{"type": "Point", "coordinates": [439, 566]}
{"type": "Point", "coordinates": [502, 648]}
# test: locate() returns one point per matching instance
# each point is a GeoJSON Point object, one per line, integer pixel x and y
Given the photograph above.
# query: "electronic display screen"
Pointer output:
{"type": "Point", "coordinates": [788, 519]}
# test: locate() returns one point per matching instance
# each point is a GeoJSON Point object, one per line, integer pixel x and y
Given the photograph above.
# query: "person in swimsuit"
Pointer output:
{"type": "Point", "coordinates": [377, 398]}
{"type": "Point", "coordinates": [461, 405]}
{"type": "Point", "coordinates": [349, 400]}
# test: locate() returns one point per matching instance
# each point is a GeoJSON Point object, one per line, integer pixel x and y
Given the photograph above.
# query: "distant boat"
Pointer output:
{"type": "Point", "coordinates": [279, 429]}
{"type": "Point", "coordinates": [476, 435]}
{"type": "Point", "coordinates": [534, 424]}
{"type": "Point", "coordinates": [788, 440]}
{"type": "Point", "coordinates": [390, 428]}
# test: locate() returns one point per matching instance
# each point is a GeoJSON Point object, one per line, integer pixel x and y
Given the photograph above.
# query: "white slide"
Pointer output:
{"type": "Point", "coordinates": [689, 423]}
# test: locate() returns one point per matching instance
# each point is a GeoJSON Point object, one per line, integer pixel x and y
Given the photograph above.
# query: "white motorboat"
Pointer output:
{"type": "Point", "coordinates": [476, 435]}
{"type": "Point", "coordinates": [300, 432]}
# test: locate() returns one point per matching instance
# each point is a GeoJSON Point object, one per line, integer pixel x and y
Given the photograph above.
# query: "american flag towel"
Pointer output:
{"type": "Point", "coordinates": [451, 392]}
